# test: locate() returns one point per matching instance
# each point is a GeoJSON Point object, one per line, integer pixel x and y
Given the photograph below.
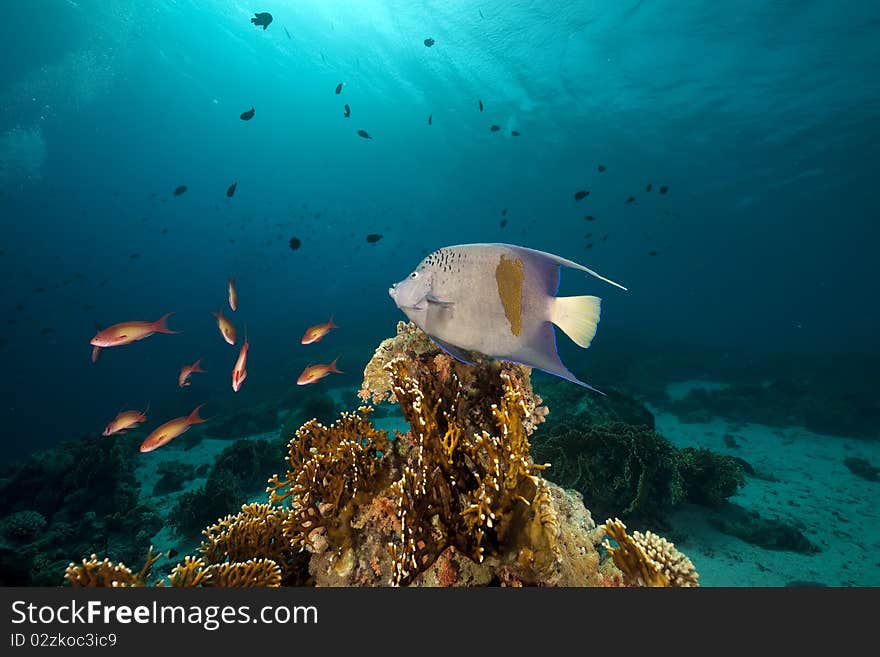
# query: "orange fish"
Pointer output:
{"type": "Point", "coordinates": [314, 373]}
{"type": "Point", "coordinates": [239, 373]}
{"type": "Point", "coordinates": [128, 332]}
{"type": "Point", "coordinates": [227, 330]}
{"type": "Point", "coordinates": [186, 370]}
{"type": "Point", "coordinates": [233, 295]}
{"type": "Point", "coordinates": [170, 430]}
{"type": "Point", "coordinates": [318, 331]}
{"type": "Point", "coordinates": [96, 353]}
{"type": "Point", "coordinates": [126, 420]}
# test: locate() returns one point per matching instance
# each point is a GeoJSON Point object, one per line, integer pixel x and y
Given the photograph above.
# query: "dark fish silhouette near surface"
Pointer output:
{"type": "Point", "coordinates": [247, 116]}
{"type": "Point", "coordinates": [287, 33]}
{"type": "Point", "coordinates": [339, 88]}
{"type": "Point", "coordinates": [601, 168]}
{"type": "Point", "coordinates": [664, 189]}
{"type": "Point", "coordinates": [494, 128]}
{"type": "Point", "coordinates": [364, 134]}
{"type": "Point", "coordinates": [652, 253]}
{"type": "Point", "coordinates": [295, 243]}
{"type": "Point", "coordinates": [372, 238]}
{"type": "Point", "coordinates": [503, 223]}
{"type": "Point", "coordinates": [231, 189]}
{"type": "Point", "coordinates": [581, 195]}
{"type": "Point", "coordinates": [514, 133]}
{"type": "Point", "coordinates": [180, 190]}
{"type": "Point", "coordinates": [429, 42]}
{"type": "Point", "coordinates": [504, 212]}
{"type": "Point", "coordinates": [262, 19]}
{"type": "Point", "coordinates": [589, 217]}
{"type": "Point", "coordinates": [649, 187]}
{"type": "Point", "coordinates": [481, 105]}
{"type": "Point", "coordinates": [430, 119]}
{"type": "Point", "coordinates": [346, 111]}
{"type": "Point", "coordinates": [631, 200]}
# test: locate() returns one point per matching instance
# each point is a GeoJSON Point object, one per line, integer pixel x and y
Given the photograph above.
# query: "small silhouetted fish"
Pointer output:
{"type": "Point", "coordinates": [172, 552]}
{"type": "Point", "coordinates": [581, 195]}
{"type": "Point", "coordinates": [346, 111]}
{"type": "Point", "coordinates": [504, 212]}
{"type": "Point", "coordinates": [287, 33]}
{"type": "Point", "coordinates": [164, 230]}
{"type": "Point", "coordinates": [652, 253]}
{"type": "Point", "coordinates": [231, 189]}
{"type": "Point", "coordinates": [503, 223]}
{"type": "Point", "coordinates": [372, 238]}
{"type": "Point", "coordinates": [430, 119]}
{"type": "Point", "coordinates": [46, 331]}
{"type": "Point", "coordinates": [134, 255]}
{"type": "Point", "coordinates": [180, 190]}
{"type": "Point", "coordinates": [649, 187]}
{"type": "Point", "coordinates": [364, 134]}
{"type": "Point", "coordinates": [601, 168]}
{"type": "Point", "coordinates": [339, 88]}
{"type": "Point", "coordinates": [247, 116]}
{"type": "Point", "coordinates": [664, 189]}
{"type": "Point", "coordinates": [589, 217]}
{"type": "Point", "coordinates": [19, 306]}
{"type": "Point", "coordinates": [494, 128]}
{"type": "Point", "coordinates": [605, 237]}
{"type": "Point", "coordinates": [481, 105]}
{"type": "Point", "coordinates": [263, 18]}
{"type": "Point", "coordinates": [295, 243]}
{"type": "Point", "coordinates": [429, 42]}
{"type": "Point", "coordinates": [514, 133]}
{"type": "Point", "coordinates": [589, 245]}
{"type": "Point", "coordinates": [631, 199]}
{"type": "Point", "coordinates": [588, 235]}
{"type": "Point", "coordinates": [12, 321]}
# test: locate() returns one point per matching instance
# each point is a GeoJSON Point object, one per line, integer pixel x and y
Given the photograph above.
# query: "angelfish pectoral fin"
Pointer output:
{"type": "Point", "coordinates": [578, 317]}
{"type": "Point", "coordinates": [432, 299]}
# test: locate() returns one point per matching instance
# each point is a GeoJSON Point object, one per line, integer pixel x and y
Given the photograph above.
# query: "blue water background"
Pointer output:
{"type": "Point", "coordinates": [763, 118]}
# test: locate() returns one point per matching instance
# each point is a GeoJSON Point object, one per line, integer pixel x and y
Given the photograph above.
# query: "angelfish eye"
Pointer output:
{"type": "Point", "coordinates": [415, 274]}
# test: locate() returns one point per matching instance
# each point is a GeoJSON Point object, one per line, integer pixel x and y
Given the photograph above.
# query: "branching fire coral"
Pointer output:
{"type": "Point", "coordinates": [94, 573]}
{"type": "Point", "coordinates": [328, 469]}
{"type": "Point", "coordinates": [647, 559]}
{"type": "Point", "coordinates": [463, 486]}
{"type": "Point", "coordinates": [256, 530]}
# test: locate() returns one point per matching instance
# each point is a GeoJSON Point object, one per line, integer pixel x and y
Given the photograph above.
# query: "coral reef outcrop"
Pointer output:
{"type": "Point", "coordinates": [457, 500]}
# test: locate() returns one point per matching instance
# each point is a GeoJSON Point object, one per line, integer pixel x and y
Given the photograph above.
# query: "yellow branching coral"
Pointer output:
{"type": "Point", "coordinates": [648, 559]}
{"type": "Point", "coordinates": [239, 574]}
{"type": "Point", "coordinates": [192, 572]}
{"type": "Point", "coordinates": [462, 487]}
{"type": "Point", "coordinates": [327, 469]}
{"type": "Point", "coordinates": [94, 573]}
{"type": "Point", "coordinates": [247, 574]}
{"type": "Point", "coordinates": [255, 532]}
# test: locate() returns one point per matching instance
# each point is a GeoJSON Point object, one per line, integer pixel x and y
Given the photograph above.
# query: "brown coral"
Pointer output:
{"type": "Point", "coordinates": [94, 573]}
{"type": "Point", "coordinates": [330, 472]}
{"type": "Point", "coordinates": [648, 559]}
{"type": "Point", "coordinates": [255, 532]}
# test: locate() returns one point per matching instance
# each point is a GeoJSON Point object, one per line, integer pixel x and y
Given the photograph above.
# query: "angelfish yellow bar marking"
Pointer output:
{"type": "Point", "coordinates": [509, 276]}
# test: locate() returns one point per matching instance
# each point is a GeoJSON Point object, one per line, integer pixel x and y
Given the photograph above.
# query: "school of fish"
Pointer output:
{"type": "Point", "coordinates": [125, 333]}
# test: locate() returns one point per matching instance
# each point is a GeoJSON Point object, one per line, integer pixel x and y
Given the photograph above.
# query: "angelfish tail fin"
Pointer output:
{"type": "Point", "coordinates": [578, 317]}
